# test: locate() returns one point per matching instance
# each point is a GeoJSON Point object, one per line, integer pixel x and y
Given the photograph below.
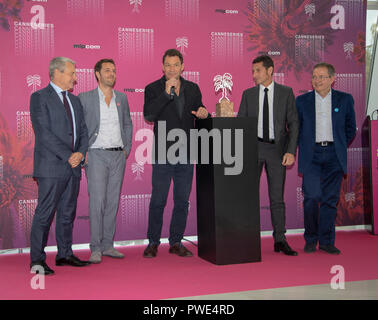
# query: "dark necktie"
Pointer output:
{"type": "Point", "coordinates": [266, 117]}
{"type": "Point", "coordinates": [69, 114]}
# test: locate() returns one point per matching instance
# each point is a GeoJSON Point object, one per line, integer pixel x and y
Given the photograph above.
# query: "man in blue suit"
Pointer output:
{"type": "Point", "coordinates": [327, 125]}
{"type": "Point", "coordinates": [61, 141]}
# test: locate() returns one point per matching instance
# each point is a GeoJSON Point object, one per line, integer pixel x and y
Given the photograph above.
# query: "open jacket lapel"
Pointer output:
{"type": "Point", "coordinates": [56, 102]}
{"type": "Point", "coordinates": [276, 110]}
{"type": "Point", "coordinates": [335, 106]}
{"type": "Point", "coordinates": [255, 101]}
{"type": "Point", "coordinates": [312, 112]}
{"type": "Point", "coordinates": [75, 110]}
{"type": "Point", "coordinates": [119, 109]}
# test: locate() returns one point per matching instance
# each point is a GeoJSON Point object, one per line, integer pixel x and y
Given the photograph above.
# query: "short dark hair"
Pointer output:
{"type": "Point", "coordinates": [266, 60]}
{"type": "Point", "coordinates": [173, 53]}
{"type": "Point", "coordinates": [98, 65]}
{"type": "Point", "coordinates": [328, 66]}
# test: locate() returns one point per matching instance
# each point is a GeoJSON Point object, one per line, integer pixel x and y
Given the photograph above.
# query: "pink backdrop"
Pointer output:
{"type": "Point", "coordinates": [215, 37]}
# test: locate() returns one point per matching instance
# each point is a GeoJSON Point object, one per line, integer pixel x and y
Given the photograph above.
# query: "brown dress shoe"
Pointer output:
{"type": "Point", "coordinates": [180, 250]}
{"type": "Point", "coordinates": [150, 251]}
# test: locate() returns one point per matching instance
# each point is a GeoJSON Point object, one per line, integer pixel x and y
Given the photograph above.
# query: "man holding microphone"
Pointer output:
{"type": "Point", "coordinates": [174, 102]}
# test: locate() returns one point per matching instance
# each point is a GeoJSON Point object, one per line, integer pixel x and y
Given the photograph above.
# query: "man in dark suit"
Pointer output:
{"type": "Point", "coordinates": [61, 141]}
{"type": "Point", "coordinates": [274, 107]}
{"type": "Point", "coordinates": [174, 102]}
{"type": "Point", "coordinates": [327, 125]}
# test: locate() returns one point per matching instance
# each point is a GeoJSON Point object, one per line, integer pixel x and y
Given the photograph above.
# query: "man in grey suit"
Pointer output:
{"type": "Point", "coordinates": [61, 141]}
{"type": "Point", "coordinates": [277, 132]}
{"type": "Point", "coordinates": [110, 130]}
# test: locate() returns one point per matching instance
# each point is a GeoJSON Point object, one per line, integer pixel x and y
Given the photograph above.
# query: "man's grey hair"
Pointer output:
{"type": "Point", "coordinates": [58, 63]}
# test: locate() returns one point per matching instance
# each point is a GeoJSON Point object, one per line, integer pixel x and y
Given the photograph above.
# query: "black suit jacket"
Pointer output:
{"type": "Point", "coordinates": [285, 115]}
{"type": "Point", "coordinates": [53, 134]}
{"type": "Point", "coordinates": [159, 107]}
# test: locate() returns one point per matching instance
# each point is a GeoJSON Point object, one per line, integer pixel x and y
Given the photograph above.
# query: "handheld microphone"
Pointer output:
{"type": "Point", "coordinates": [172, 94]}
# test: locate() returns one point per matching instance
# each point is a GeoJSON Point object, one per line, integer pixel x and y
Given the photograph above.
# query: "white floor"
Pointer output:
{"type": "Point", "coordinates": [355, 290]}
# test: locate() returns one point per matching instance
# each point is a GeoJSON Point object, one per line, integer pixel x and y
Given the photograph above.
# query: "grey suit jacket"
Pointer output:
{"type": "Point", "coordinates": [91, 106]}
{"type": "Point", "coordinates": [286, 125]}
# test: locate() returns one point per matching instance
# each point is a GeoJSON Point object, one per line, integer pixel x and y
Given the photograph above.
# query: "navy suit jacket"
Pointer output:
{"type": "Point", "coordinates": [343, 127]}
{"type": "Point", "coordinates": [53, 134]}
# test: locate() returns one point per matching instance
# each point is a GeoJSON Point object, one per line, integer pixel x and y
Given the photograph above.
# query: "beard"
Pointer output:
{"type": "Point", "coordinates": [109, 82]}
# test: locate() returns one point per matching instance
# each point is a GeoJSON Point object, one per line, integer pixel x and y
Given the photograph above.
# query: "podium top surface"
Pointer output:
{"type": "Point", "coordinates": [233, 122]}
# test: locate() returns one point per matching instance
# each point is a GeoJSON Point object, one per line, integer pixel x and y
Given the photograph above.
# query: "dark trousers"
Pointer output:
{"type": "Point", "coordinates": [60, 195]}
{"type": "Point", "coordinates": [271, 159]}
{"type": "Point", "coordinates": [162, 174]}
{"type": "Point", "coordinates": [321, 188]}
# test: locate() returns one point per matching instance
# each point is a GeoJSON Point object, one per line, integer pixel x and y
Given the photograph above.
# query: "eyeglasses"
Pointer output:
{"type": "Point", "coordinates": [320, 77]}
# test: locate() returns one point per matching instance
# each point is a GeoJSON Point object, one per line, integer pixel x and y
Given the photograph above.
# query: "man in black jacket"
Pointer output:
{"type": "Point", "coordinates": [273, 105]}
{"type": "Point", "coordinates": [171, 102]}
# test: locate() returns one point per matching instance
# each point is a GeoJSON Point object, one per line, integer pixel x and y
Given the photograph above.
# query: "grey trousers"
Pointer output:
{"type": "Point", "coordinates": [276, 174]}
{"type": "Point", "coordinates": [104, 173]}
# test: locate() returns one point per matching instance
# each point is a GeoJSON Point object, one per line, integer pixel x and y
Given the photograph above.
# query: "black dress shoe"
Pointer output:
{"type": "Point", "coordinates": [150, 251]}
{"type": "Point", "coordinates": [40, 267]}
{"type": "Point", "coordinates": [310, 247]}
{"type": "Point", "coordinates": [71, 261]}
{"type": "Point", "coordinates": [285, 248]}
{"type": "Point", "coordinates": [329, 249]}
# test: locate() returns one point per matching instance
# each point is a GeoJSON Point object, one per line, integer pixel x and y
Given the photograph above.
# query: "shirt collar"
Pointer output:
{"type": "Point", "coordinates": [102, 96]}
{"type": "Point", "coordinates": [270, 87]}
{"type": "Point", "coordinates": [58, 89]}
{"type": "Point", "coordinates": [327, 96]}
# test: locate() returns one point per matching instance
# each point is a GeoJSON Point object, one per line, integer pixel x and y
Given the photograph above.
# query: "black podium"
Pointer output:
{"type": "Point", "coordinates": [228, 210]}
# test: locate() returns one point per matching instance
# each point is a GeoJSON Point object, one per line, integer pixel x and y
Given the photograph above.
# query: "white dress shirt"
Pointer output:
{"type": "Point", "coordinates": [109, 135]}
{"type": "Point", "coordinates": [323, 115]}
{"type": "Point", "coordinates": [261, 111]}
